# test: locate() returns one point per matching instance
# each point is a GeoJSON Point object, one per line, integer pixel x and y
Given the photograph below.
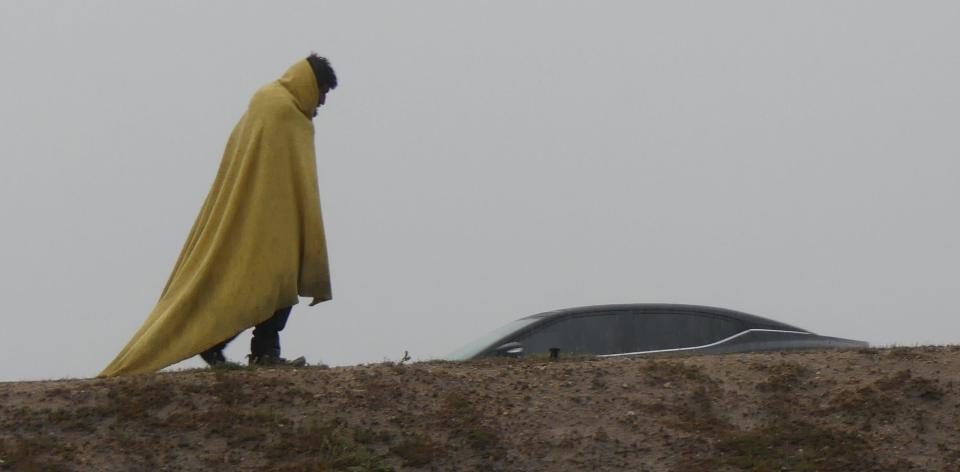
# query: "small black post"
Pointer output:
{"type": "Point", "coordinates": [554, 353]}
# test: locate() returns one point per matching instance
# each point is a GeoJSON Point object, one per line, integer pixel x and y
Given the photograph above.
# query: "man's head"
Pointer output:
{"type": "Point", "coordinates": [326, 78]}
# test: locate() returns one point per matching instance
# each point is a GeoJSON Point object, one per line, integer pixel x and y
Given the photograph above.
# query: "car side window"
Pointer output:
{"type": "Point", "coordinates": [596, 334]}
{"type": "Point", "coordinates": [628, 331]}
{"type": "Point", "coordinates": [680, 330]}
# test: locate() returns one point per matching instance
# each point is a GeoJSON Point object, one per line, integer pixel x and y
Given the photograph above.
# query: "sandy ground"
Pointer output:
{"type": "Point", "coordinates": [868, 409]}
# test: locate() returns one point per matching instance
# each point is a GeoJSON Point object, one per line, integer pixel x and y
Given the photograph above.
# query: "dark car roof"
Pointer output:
{"type": "Point", "coordinates": [749, 321]}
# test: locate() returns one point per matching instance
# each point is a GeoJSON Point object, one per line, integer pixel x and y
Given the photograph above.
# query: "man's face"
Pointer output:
{"type": "Point", "coordinates": [322, 99]}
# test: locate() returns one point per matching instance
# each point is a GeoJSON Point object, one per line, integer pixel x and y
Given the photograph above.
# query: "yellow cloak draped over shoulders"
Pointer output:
{"type": "Point", "coordinates": [258, 241]}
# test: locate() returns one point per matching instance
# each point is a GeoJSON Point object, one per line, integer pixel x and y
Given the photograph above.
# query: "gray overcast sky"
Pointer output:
{"type": "Point", "coordinates": [482, 161]}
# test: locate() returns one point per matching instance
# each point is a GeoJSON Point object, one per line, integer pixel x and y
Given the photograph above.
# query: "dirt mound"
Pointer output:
{"type": "Point", "coordinates": [869, 409]}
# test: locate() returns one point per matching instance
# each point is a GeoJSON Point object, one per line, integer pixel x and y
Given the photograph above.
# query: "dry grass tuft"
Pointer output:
{"type": "Point", "coordinates": [784, 377]}
{"type": "Point", "coordinates": [906, 384]}
{"type": "Point", "coordinates": [795, 446]}
{"type": "Point", "coordinates": [459, 413]}
{"type": "Point", "coordinates": [416, 450]}
{"type": "Point", "coordinates": [659, 372]}
{"type": "Point", "coordinates": [322, 446]}
{"type": "Point", "coordinates": [885, 398]}
{"type": "Point", "coordinates": [33, 454]}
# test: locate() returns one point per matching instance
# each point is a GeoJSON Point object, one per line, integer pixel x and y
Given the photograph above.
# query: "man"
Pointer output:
{"type": "Point", "coordinates": [258, 242]}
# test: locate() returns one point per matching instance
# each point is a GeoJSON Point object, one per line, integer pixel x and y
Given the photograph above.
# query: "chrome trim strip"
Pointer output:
{"type": "Point", "coordinates": [706, 345]}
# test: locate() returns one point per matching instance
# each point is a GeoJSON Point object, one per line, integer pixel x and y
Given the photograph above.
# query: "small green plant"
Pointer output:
{"type": "Point", "coordinates": [404, 358]}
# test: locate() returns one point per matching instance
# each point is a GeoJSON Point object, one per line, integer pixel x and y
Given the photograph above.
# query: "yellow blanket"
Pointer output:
{"type": "Point", "coordinates": [258, 241]}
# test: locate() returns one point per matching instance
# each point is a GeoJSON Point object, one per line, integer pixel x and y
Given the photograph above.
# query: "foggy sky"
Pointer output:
{"type": "Point", "coordinates": [482, 161]}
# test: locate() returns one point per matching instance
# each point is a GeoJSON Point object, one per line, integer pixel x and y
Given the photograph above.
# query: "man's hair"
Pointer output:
{"type": "Point", "coordinates": [322, 71]}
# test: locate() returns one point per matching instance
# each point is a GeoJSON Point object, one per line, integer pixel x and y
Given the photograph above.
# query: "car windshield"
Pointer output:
{"type": "Point", "coordinates": [482, 343]}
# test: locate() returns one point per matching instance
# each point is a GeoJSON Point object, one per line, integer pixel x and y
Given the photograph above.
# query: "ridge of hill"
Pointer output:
{"type": "Point", "coordinates": [867, 409]}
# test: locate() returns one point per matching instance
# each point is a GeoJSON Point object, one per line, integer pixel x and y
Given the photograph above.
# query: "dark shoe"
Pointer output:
{"type": "Point", "coordinates": [267, 360]}
{"type": "Point", "coordinates": [213, 357]}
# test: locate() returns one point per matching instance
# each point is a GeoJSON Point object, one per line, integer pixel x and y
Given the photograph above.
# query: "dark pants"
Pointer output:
{"type": "Point", "coordinates": [266, 336]}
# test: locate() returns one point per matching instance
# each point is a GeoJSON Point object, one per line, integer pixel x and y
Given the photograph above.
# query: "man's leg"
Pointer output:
{"type": "Point", "coordinates": [214, 355]}
{"type": "Point", "coordinates": [266, 336]}
{"type": "Point", "coordinates": [265, 344]}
